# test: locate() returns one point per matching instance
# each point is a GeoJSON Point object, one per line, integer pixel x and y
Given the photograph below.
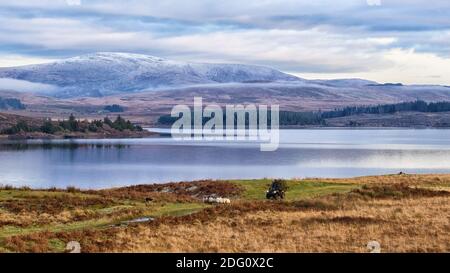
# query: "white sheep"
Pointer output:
{"type": "Point", "coordinates": [217, 200]}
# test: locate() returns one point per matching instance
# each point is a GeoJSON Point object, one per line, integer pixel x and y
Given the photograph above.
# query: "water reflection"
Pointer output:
{"type": "Point", "coordinates": [302, 153]}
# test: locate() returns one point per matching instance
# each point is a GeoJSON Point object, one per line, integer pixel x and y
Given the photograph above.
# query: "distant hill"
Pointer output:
{"type": "Point", "coordinates": [103, 74]}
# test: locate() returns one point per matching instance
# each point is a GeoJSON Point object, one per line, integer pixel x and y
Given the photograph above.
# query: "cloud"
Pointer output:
{"type": "Point", "coordinates": [25, 86]}
{"type": "Point", "coordinates": [407, 66]}
{"type": "Point", "coordinates": [319, 37]}
{"type": "Point", "coordinates": [309, 50]}
{"type": "Point", "coordinates": [291, 50]}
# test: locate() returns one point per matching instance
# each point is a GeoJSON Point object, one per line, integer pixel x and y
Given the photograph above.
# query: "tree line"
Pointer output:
{"type": "Point", "coordinates": [319, 117]}
{"type": "Point", "coordinates": [73, 125]}
{"type": "Point", "coordinates": [288, 118]}
{"type": "Point", "coordinates": [115, 108]}
{"type": "Point", "coordinates": [415, 106]}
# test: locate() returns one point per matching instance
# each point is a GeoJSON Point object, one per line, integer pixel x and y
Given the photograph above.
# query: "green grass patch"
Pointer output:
{"type": "Point", "coordinates": [8, 231]}
{"type": "Point", "coordinates": [56, 245]}
{"type": "Point", "coordinates": [298, 189]}
{"type": "Point", "coordinates": [177, 209]}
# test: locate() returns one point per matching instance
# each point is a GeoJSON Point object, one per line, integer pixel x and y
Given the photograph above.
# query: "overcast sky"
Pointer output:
{"type": "Point", "coordinates": [382, 40]}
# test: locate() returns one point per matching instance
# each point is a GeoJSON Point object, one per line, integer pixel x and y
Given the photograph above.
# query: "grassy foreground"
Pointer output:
{"type": "Point", "coordinates": [405, 213]}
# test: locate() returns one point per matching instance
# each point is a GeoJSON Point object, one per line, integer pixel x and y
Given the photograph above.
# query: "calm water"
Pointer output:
{"type": "Point", "coordinates": [303, 153]}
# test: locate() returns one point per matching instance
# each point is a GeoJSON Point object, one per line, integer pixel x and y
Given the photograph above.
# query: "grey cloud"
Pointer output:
{"type": "Point", "coordinates": [326, 36]}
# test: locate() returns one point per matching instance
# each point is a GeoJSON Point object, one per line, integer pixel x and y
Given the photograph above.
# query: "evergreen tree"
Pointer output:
{"type": "Point", "coordinates": [120, 123]}
{"type": "Point", "coordinates": [48, 127]}
{"type": "Point", "coordinates": [108, 121]}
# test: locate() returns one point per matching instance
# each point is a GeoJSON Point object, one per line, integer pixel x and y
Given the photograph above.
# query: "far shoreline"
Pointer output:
{"type": "Point", "coordinates": [211, 180]}
{"type": "Point", "coordinates": [41, 136]}
{"type": "Point", "coordinates": [151, 132]}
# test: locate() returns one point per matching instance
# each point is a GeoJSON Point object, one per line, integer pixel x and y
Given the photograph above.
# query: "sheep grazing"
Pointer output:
{"type": "Point", "coordinates": [216, 200]}
{"type": "Point", "coordinates": [224, 201]}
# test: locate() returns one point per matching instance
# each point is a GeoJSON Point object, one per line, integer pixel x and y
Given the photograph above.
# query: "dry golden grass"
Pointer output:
{"type": "Point", "coordinates": [403, 225]}
{"type": "Point", "coordinates": [426, 179]}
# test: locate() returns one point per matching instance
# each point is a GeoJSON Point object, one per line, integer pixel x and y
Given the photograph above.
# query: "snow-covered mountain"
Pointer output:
{"type": "Point", "coordinates": [103, 74]}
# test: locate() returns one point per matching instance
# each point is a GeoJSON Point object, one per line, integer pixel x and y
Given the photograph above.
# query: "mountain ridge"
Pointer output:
{"type": "Point", "coordinates": [108, 73]}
